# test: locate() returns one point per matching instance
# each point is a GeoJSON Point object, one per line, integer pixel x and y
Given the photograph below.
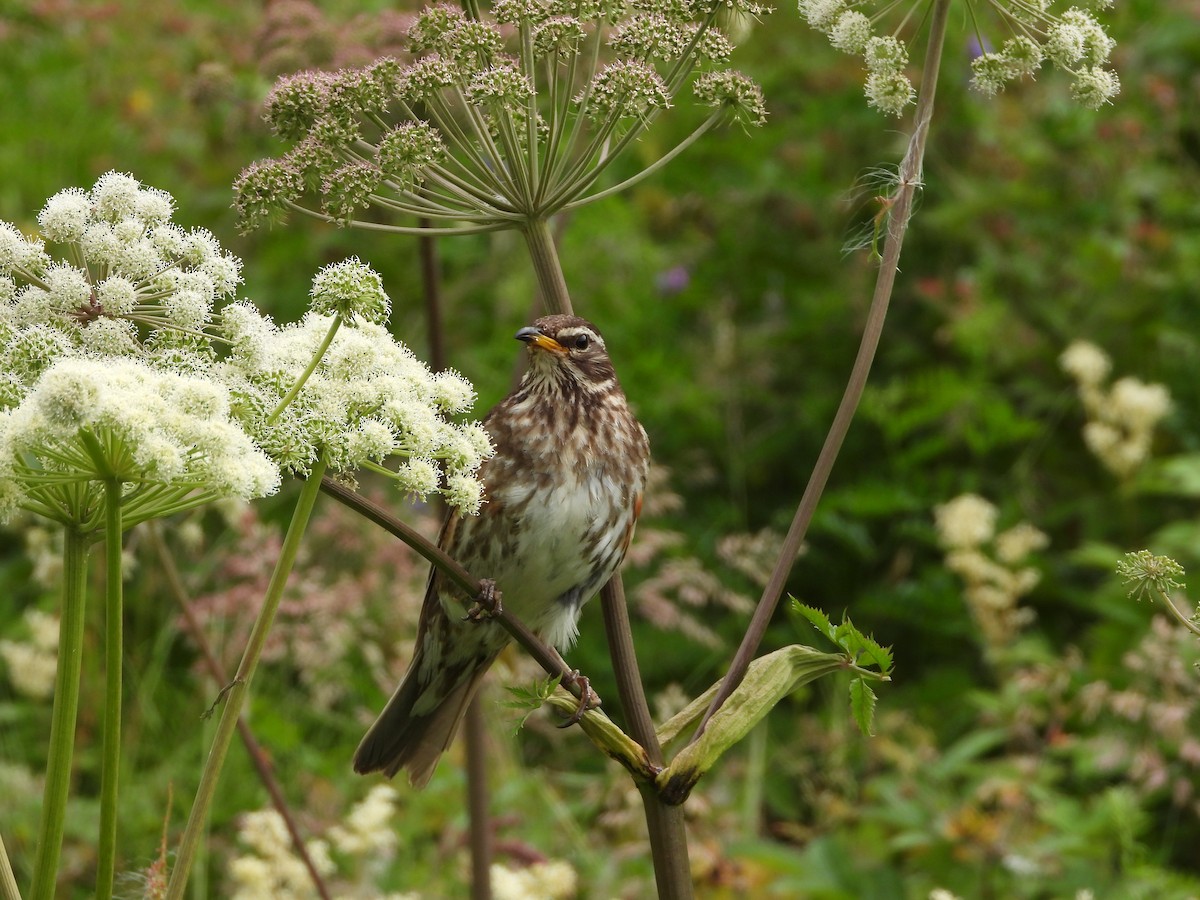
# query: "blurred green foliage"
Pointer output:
{"type": "Point", "coordinates": [733, 315]}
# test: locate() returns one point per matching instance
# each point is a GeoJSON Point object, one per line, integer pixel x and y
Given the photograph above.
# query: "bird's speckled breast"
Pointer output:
{"type": "Point", "coordinates": [579, 501]}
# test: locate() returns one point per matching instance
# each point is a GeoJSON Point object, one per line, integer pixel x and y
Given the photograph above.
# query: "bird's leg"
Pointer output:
{"type": "Point", "coordinates": [588, 699]}
{"type": "Point", "coordinates": [487, 603]}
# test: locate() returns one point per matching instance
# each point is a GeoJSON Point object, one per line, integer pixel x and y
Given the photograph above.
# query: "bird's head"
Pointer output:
{"type": "Point", "coordinates": [567, 347]}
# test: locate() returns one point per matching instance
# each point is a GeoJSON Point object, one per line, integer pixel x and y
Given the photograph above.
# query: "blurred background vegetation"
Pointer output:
{"type": "Point", "coordinates": [1060, 757]}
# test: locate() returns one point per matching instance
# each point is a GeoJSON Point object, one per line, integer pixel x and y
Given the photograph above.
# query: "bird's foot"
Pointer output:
{"type": "Point", "coordinates": [588, 699]}
{"type": "Point", "coordinates": [487, 603]}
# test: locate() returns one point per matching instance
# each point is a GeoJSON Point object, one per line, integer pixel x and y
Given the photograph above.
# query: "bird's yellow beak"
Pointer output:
{"type": "Point", "coordinates": [535, 338]}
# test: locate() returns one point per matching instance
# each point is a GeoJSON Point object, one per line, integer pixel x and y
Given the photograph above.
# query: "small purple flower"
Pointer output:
{"type": "Point", "coordinates": [673, 280]}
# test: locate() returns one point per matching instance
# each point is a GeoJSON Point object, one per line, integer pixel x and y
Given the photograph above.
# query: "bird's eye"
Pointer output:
{"type": "Point", "coordinates": [581, 342]}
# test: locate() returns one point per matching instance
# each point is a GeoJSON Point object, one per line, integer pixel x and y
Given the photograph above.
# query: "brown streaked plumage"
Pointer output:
{"type": "Point", "coordinates": [561, 497]}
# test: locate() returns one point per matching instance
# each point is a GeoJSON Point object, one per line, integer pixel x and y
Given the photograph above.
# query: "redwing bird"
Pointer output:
{"type": "Point", "coordinates": [561, 497]}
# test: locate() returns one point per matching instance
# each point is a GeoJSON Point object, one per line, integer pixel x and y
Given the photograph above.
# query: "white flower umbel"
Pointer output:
{"type": "Point", "coordinates": [109, 416]}
{"type": "Point", "coordinates": [352, 396]}
{"type": "Point", "coordinates": [122, 258]}
{"type": "Point", "coordinates": [169, 439]}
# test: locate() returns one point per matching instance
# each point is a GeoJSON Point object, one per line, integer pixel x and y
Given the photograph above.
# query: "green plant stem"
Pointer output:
{"type": "Point", "coordinates": [1182, 618]}
{"type": "Point", "coordinates": [66, 706]}
{"type": "Point", "coordinates": [908, 183]}
{"type": "Point", "coordinates": [8, 881]}
{"type": "Point", "coordinates": [236, 690]}
{"type": "Point", "coordinates": [478, 802]}
{"type": "Point", "coordinates": [546, 266]}
{"type": "Point", "coordinates": [113, 653]}
{"type": "Point", "coordinates": [668, 843]}
{"type": "Point", "coordinates": [318, 355]}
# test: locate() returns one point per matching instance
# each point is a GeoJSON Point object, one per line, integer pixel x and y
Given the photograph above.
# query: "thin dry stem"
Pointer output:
{"type": "Point", "coordinates": [909, 182]}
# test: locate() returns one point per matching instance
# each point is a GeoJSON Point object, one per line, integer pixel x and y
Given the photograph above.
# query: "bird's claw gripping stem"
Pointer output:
{"type": "Point", "coordinates": [487, 603]}
{"type": "Point", "coordinates": [588, 699]}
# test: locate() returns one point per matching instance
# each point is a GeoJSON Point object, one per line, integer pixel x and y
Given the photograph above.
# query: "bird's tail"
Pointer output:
{"type": "Point", "coordinates": [404, 739]}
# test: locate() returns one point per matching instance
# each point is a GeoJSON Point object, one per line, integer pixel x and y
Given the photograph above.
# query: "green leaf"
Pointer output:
{"type": "Point", "coordinates": [530, 699]}
{"type": "Point", "coordinates": [860, 647]}
{"type": "Point", "coordinates": [871, 652]}
{"type": "Point", "coordinates": [862, 705]}
{"type": "Point", "coordinates": [816, 618]}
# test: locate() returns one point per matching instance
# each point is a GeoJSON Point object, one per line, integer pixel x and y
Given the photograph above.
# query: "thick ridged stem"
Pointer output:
{"type": "Point", "coordinates": [664, 822]}
{"type": "Point", "coordinates": [62, 726]}
{"type": "Point", "coordinates": [113, 650]}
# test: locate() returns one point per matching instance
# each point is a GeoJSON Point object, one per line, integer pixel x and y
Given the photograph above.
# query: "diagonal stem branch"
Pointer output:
{"type": "Point", "coordinates": [909, 182]}
{"type": "Point", "coordinates": [8, 881]}
{"type": "Point", "coordinates": [217, 673]}
{"type": "Point", "coordinates": [547, 657]}
{"type": "Point", "coordinates": [236, 690]}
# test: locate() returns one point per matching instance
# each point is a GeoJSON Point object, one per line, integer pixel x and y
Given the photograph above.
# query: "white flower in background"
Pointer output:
{"type": "Point", "coordinates": [367, 830]}
{"type": "Point", "coordinates": [966, 521]}
{"type": "Point", "coordinates": [365, 842]}
{"type": "Point", "coordinates": [1085, 362]}
{"type": "Point", "coordinates": [551, 880]}
{"type": "Point", "coordinates": [272, 871]}
{"type": "Point", "coordinates": [990, 565]}
{"type": "Point", "coordinates": [1122, 418]}
{"type": "Point", "coordinates": [31, 664]}
{"type": "Point", "coordinates": [1018, 542]}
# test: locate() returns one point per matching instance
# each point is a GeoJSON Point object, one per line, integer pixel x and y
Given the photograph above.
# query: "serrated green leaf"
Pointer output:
{"type": "Point", "coordinates": [876, 654]}
{"type": "Point", "coordinates": [529, 699]}
{"type": "Point", "coordinates": [533, 696]}
{"type": "Point", "coordinates": [862, 705]}
{"type": "Point", "coordinates": [816, 618]}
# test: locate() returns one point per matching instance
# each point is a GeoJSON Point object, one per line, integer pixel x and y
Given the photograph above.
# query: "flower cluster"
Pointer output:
{"type": "Point", "coordinates": [363, 844]}
{"type": "Point", "coordinates": [1121, 417]}
{"type": "Point", "coordinates": [103, 356]}
{"type": "Point", "coordinates": [354, 397]}
{"type": "Point", "coordinates": [272, 868]}
{"type": "Point", "coordinates": [493, 122]}
{"type": "Point", "coordinates": [32, 664]}
{"type": "Point", "coordinates": [1156, 711]}
{"type": "Point", "coordinates": [130, 281]}
{"type": "Point", "coordinates": [990, 565]}
{"type": "Point", "coordinates": [114, 366]}
{"type": "Point", "coordinates": [551, 880]}
{"type": "Point", "coordinates": [1071, 39]}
